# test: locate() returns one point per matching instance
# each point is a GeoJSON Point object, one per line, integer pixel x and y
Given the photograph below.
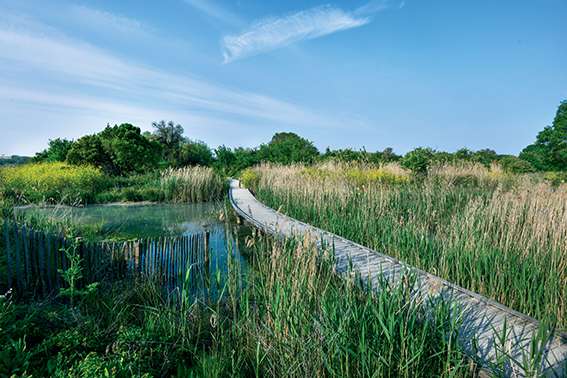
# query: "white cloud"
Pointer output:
{"type": "Point", "coordinates": [45, 73]}
{"type": "Point", "coordinates": [272, 33]}
{"type": "Point", "coordinates": [103, 20]}
{"type": "Point", "coordinates": [213, 10]}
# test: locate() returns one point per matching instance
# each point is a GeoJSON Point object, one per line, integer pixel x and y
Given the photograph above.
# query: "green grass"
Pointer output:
{"type": "Point", "coordinates": [499, 235]}
{"type": "Point", "coordinates": [292, 316]}
{"type": "Point", "coordinates": [60, 183]}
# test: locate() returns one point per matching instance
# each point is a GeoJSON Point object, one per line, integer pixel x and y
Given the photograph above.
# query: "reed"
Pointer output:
{"type": "Point", "coordinates": [500, 235]}
{"type": "Point", "coordinates": [192, 184]}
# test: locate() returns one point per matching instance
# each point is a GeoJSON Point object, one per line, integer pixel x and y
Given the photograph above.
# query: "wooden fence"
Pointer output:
{"type": "Point", "coordinates": [34, 259]}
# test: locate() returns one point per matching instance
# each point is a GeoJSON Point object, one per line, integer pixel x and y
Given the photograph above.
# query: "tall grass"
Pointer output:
{"type": "Point", "coordinates": [500, 235]}
{"type": "Point", "coordinates": [51, 183]}
{"type": "Point", "coordinates": [192, 184]}
{"type": "Point", "coordinates": [292, 317]}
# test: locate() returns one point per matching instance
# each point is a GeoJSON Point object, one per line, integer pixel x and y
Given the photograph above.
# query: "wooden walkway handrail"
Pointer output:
{"type": "Point", "coordinates": [484, 320]}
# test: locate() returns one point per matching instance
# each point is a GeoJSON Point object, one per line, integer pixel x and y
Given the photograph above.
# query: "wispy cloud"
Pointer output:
{"type": "Point", "coordinates": [103, 20]}
{"type": "Point", "coordinates": [49, 73]}
{"type": "Point", "coordinates": [214, 10]}
{"type": "Point", "coordinates": [275, 32]}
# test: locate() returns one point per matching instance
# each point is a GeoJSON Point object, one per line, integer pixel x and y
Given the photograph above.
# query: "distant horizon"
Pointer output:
{"type": "Point", "coordinates": [364, 74]}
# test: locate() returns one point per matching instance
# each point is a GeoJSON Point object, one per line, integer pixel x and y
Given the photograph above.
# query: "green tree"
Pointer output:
{"type": "Point", "coordinates": [463, 154]}
{"type": "Point", "coordinates": [287, 148]}
{"type": "Point", "coordinates": [170, 136]}
{"type": "Point", "coordinates": [57, 150]}
{"type": "Point", "coordinates": [195, 153]}
{"type": "Point", "coordinates": [388, 155]}
{"type": "Point", "coordinates": [549, 152]}
{"type": "Point", "coordinates": [418, 160]}
{"type": "Point", "coordinates": [230, 162]}
{"type": "Point", "coordinates": [90, 150]}
{"type": "Point", "coordinates": [485, 157]}
{"type": "Point", "coordinates": [119, 150]}
{"type": "Point", "coordinates": [129, 150]}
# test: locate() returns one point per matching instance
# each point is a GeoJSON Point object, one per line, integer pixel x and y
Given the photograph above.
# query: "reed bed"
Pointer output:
{"type": "Point", "coordinates": [499, 235]}
{"type": "Point", "coordinates": [192, 184]}
{"type": "Point", "coordinates": [292, 316]}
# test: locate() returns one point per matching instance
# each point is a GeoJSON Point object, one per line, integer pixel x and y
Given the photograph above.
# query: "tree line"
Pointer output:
{"type": "Point", "coordinates": [124, 149]}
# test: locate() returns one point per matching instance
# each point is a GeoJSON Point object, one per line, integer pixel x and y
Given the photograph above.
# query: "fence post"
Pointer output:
{"type": "Point", "coordinates": [8, 253]}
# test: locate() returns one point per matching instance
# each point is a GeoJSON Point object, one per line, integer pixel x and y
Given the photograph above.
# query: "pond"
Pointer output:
{"type": "Point", "coordinates": [133, 220]}
{"type": "Point", "coordinates": [158, 239]}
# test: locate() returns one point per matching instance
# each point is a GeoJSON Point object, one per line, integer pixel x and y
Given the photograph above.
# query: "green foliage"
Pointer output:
{"type": "Point", "coordinates": [556, 178]}
{"type": "Point", "coordinates": [513, 164]}
{"type": "Point", "coordinates": [118, 150]}
{"type": "Point", "coordinates": [250, 178]}
{"type": "Point", "coordinates": [74, 273]}
{"type": "Point", "coordinates": [129, 150]}
{"type": "Point", "coordinates": [89, 150]}
{"type": "Point", "coordinates": [231, 162]}
{"type": "Point", "coordinates": [482, 230]}
{"type": "Point", "coordinates": [418, 160]}
{"type": "Point", "coordinates": [485, 157]}
{"type": "Point", "coordinates": [52, 183]}
{"type": "Point", "coordinates": [57, 150]}
{"type": "Point", "coordinates": [549, 152]}
{"type": "Point", "coordinates": [170, 136]}
{"type": "Point", "coordinates": [287, 148]}
{"type": "Point", "coordinates": [194, 153]}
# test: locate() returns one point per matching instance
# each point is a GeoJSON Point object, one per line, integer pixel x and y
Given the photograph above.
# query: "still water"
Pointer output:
{"type": "Point", "coordinates": [135, 221]}
{"type": "Point", "coordinates": [160, 235]}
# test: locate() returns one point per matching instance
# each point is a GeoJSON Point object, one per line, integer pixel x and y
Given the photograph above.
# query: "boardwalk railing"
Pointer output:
{"type": "Point", "coordinates": [34, 259]}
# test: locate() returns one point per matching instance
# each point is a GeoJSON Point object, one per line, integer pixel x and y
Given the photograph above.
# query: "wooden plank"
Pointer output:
{"type": "Point", "coordinates": [483, 318]}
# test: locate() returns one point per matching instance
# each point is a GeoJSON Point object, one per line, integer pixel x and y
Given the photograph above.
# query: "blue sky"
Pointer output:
{"type": "Point", "coordinates": [374, 74]}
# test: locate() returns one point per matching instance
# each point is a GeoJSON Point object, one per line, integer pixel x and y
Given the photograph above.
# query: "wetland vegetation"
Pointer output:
{"type": "Point", "coordinates": [495, 224]}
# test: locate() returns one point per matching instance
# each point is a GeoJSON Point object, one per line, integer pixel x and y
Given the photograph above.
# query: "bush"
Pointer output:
{"type": "Point", "coordinates": [513, 164]}
{"type": "Point", "coordinates": [52, 183]}
{"type": "Point", "coordinates": [556, 178]}
{"type": "Point", "coordinates": [418, 160]}
{"type": "Point", "coordinates": [250, 178]}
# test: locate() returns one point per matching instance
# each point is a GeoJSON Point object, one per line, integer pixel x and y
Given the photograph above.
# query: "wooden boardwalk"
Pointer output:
{"type": "Point", "coordinates": [484, 320]}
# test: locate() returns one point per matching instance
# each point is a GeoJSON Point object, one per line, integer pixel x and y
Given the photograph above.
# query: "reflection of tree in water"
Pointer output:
{"type": "Point", "coordinates": [136, 221]}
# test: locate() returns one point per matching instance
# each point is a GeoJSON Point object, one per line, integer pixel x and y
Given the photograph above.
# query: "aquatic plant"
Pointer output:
{"type": "Point", "coordinates": [192, 184]}
{"type": "Point", "coordinates": [504, 236]}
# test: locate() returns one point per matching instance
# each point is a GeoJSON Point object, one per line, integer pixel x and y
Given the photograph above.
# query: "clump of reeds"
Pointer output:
{"type": "Point", "coordinates": [192, 184]}
{"type": "Point", "coordinates": [501, 235]}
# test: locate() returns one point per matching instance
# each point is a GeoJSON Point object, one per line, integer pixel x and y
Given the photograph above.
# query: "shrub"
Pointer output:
{"type": "Point", "coordinates": [250, 178]}
{"type": "Point", "coordinates": [418, 160]}
{"type": "Point", "coordinates": [52, 183]}
{"type": "Point", "coordinates": [556, 178]}
{"type": "Point", "coordinates": [513, 164]}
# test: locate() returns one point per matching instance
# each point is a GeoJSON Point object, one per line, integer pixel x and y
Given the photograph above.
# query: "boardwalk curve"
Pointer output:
{"type": "Point", "coordinates": [484, 321]}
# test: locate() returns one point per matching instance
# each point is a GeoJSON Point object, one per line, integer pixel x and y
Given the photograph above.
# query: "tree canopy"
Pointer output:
{"type": "Point", "coordinates": [120, 149]}
{"type": "Point", "coordinates": [549, 152]}
{"type": "Point", "coordinates": [56, 150]}
{"type": "Point", "coordinates": [287, 148]}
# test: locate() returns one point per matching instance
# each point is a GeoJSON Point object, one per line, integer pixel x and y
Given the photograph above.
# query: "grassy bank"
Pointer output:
{"type": "Point", "coordinates": [501, 235]}
{"type": "Point", "coordinates": [291, 317]}
{"type": "Point", "coordinates": [60, 183]}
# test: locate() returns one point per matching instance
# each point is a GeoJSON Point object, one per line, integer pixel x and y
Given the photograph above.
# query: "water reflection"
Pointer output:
{"type": "Point", "coordinates": [186, 247]}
